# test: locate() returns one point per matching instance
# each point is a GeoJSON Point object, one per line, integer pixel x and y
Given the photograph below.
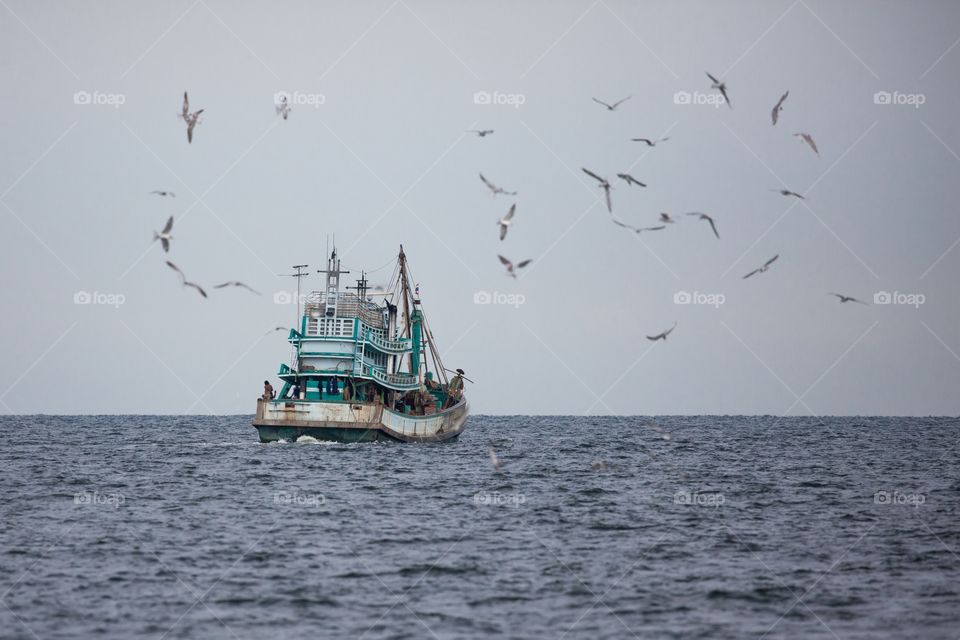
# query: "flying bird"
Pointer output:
{"type": "Point", "coordinates": [164, 193]}
{"type": "Point", "coordinates": [636, 229]}
{"type": "Point", "coordinates": [766, 265]}
{"type": "Point", "coordinates": [183, 279]}
{"type": "Point", "coordinates": [787, 192]}
{"type": "Point", "coordinates": [164, 236]}
{"type": "Point", "coordinates": [650, 143]}
{"type": "Point", "coordinates": [510, 266]}
{"type": "Point", "coordinates": [611, 107]}
{"type": "Point", "coordinates": [629, 179]}
{"type": "Point", "coordinates": [604, 184]}
{"type": "Point", "coordinates": [844, 298]}
{"type": "Point", "coordinates": [806, 137]}
{"type": "Point", "coordinates": [665, 217]}
{"type": "Point", "coordinates": [703, 216]}
{"type": "Point", "coordinates": [777, 108]}
{"type": "Point", "coordinates": [495, 189]}
{"type": "Point", "coordinates": [234, 283]}
{"type": "Point", "coordinates": [505, 221]}
{"type": "Point", "coordinates": [494, 460]}
{"type": "Point", "coordinates": [662, 336]}
{"type": "Point", "coordinates": [722, 88]}
{"type": "Point", "coordinates": [481, 132]}
{"type": "Point", "coordinates": [283, 107]}
{"type": "Point", "coordinates": [192, 119]}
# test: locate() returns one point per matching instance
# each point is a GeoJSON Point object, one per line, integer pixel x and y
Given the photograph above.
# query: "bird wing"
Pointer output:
{"type": "Point", "coordinates": [506, 262]}
{"type": "Point", "coordinates": [489, 184]}
{"type": "Point", "coordinates": [647, 140]}
{"type": "Point", "coordinates": [186, 105]}
{"type": "Point", "coordinates": [715, 81]}
{"type": "Point", "coordinates": [503, 231]}
{"type": "Point", "coordinates": [771, 261]}
{"type": "Point", "coordinates": [723, 92]}
{"type": "Point", "coordinates": [813, 145]}
{"type": "Point", "coordinates": [775, 114]}
{"type": "Point", "coordinates": [751, 273]}
{"type": "Point", "coordinates": [195, 286]}
{"type": "Point", "coordinates": [607, 194]}
{"type": "Point", "coordinates": [712, 225]}
{"type": "Point", "coordinates": [175, 268]}
{"type": "Point", "coordinates": [523, 263]}
{"type": "Point", "coordinates": [169, 226]}
{"type": "Point", "coordinates": [601, 102]}
{"type": "Point", "coordinates": [592, 175]}
{"type": "Point", "coordinates": [617, 104]}
{"type": "Point", "coordinates": [190, 126]}
{"type": "Point", "coordinates": [165, 244]}
{"type": "Point", "coordinates": [654, 338]}
{"type": "Point", "coordinates": [658, 228]}
{"type": "Point", "coordinates": [667, 332]}
{"type": "Point", "coordinates": [509, 216]}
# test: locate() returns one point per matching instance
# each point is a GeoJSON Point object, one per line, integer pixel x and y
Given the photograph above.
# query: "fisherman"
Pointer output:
{"type": "Point", "coordinates": [454, 389]}
{"type": "Point", "coordinates": [268, 392]}
{"type": "Point", "coordinates": [429, 382]}
{"type": "Point", "coordinates": [295, 393]}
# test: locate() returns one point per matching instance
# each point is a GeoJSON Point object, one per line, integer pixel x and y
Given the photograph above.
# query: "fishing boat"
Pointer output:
{"type": "Point", "coordinates": [363, 368]}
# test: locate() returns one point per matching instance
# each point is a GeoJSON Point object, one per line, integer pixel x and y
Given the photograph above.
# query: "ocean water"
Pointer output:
{"type": "Point", "coordinates": [674, 527]}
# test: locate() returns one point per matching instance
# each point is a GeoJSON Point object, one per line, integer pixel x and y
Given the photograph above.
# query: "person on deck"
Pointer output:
{"type": "Point", "coordinates": [268, 392]}
{"type": "Point", "coordinates": [454, 389]}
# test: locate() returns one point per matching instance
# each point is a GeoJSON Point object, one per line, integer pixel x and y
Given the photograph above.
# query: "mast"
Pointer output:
{"type": "Point", "coordinates": [405, 289]}
{"type": "Point", "coordinates": [332, 293]}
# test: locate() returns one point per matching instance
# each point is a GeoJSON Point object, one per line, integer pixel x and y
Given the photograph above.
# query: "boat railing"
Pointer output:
{"type": "Point", "coordinates": [348, 305]}
{"type": "Point", "coordinates": [401, 345]}
{"type": "Point", "coordinates": [398, 381]}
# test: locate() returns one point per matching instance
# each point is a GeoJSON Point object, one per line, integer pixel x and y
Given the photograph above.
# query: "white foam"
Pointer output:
{"type": "Point", "coordinates": [308, 440]}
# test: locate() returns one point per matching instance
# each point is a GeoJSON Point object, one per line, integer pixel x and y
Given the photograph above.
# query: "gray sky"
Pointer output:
{"type": "Point", "coordinates": [385, 159]}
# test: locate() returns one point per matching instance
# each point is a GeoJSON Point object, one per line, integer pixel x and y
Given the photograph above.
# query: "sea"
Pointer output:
{"type": "Point", "coordinates": [586, 527]}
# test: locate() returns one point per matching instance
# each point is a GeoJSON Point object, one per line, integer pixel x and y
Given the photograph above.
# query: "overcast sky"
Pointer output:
{"type": "Point", "coordinates": [376, 152]}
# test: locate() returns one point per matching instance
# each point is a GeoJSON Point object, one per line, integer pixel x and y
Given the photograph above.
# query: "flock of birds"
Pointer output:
{"type": "Point", "coordinates": [165, 236]}
{"type": "Point", "coordinates": [665, 219]}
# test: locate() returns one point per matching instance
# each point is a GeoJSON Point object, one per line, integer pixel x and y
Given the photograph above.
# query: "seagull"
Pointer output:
{"type": "Point", "coordinates": [722, 88]}
{"type": "Point", "coordinates": [637, 229]}
{"type": "Point", "coordinates": [787, 192]}
{"type": "Point", "coordinates": [494, 460]}
{"type": "Point", "coordinates": [665, 217]}
{"type": "Point", "coordinates": [183, 279]}
{"type": "Point", "coordinates": [704, 216]}
{"type": "Point", "coordinates": [806, 137]}
{"type": "Point", "coordinates": [504, 222]}
{"type": "Point", "coordinates": [510, 267]}
{"type": "Point", "coordinates": [844, 298]}
{"type": "Point", "coordinates": [766, 265]}
{"type": "Point", "coordinates": [662, 336]}
{"type": "Point", "coordinates": [283, 108]}
{"type": "Point", "coordinates": [604, 184]}
{"type": "Point", "coordinates": [629, 179]}
{"type": "Point", "coordinates": [192, 119]}
{"type": "Point", "coordinates": [777, 108]}
{"type": "Point", "coordinates": [274, 330]}
{"type": "Point", "coordinates": [164, 193]}
{"type": "Point", "coordinates": [234, 283]}
{"type": "Point", "coordinates": [650, 143]}
{"type": "Point", "coordinates": [611, 107]}
{"type": "Point", "coordinates": [164, 236]}
{"type": "Point", "coordinates": [481, 132]}
{"type": "Point", "coordinates": [495, 189]}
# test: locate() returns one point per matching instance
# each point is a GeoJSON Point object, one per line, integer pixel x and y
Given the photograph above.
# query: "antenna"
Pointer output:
{"type": "Point", "coordinates": [298, 275]}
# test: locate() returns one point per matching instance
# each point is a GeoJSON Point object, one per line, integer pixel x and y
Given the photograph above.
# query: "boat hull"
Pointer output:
{"type": "Point", "coordinates": [354, 422]}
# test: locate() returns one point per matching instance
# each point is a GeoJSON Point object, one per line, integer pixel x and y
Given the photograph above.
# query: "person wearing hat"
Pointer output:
{"type": "Point", "coordinates": [455, 388]}
{"type": "Point", "coordinates": [268, 393]}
